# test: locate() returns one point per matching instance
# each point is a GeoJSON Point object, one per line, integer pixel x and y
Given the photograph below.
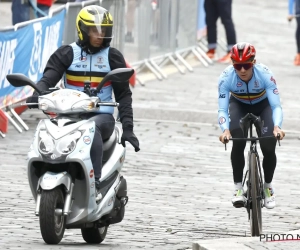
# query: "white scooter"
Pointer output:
{"type": "Point", "coordinates": [60, 171]}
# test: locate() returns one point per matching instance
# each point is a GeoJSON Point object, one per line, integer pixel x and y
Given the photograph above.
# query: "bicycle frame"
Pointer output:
{"type": "Point", "coordinates": [255, 185]}
{"type": "Point", "coordinates": [253, 150]}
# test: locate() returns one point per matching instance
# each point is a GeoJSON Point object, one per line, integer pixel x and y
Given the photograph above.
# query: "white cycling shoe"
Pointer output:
{"type": "Point", "coordinates": [269, 198]}
{"type": "Point", "coordinates": [238, 200]}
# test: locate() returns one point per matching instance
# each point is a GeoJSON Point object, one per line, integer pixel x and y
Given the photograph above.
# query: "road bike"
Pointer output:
{"type": "Point", "coordinates": [253, 176]}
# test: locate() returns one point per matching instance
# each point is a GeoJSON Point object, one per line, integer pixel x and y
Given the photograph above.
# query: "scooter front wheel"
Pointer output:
{"type": "Point", "coordinates": [94, 235]}
{"type": "Point", "coordinates": [52, 224]}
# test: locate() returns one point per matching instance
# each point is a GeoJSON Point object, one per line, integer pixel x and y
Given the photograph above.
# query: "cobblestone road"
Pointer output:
{"type": "Point", "coordinates": [180, 182]}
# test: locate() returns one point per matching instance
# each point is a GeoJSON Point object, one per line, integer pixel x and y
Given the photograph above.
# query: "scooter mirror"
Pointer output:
{"type": "Point", "coordinates": [117, 75]}
{"type": "Point", "coordinates": [20, 80]}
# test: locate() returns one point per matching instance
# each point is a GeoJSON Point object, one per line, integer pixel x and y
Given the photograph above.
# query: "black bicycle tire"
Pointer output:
{"type": "Point", "coordinates": [255, 211]}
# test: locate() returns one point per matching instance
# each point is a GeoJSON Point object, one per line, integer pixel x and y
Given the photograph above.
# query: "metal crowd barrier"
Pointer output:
{"type": "Point", "coordinates": [150, 34]}
{"type": "Point", "coordinates": [163, 34]}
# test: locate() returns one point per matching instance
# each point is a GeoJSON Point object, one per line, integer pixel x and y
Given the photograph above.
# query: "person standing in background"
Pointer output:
{"type": "Point", "coordinates": [213, 10]}
{"type": "Point", "coordinates": [294, 12]}
{"type": "Point", "coordinates": [201, 24]}
{"type": "Point", "coordinates": [21, 9]}
{"type": "Point", "coordinates": [130, 15]}
{"type": "Point", "coordinates": [44, 6]}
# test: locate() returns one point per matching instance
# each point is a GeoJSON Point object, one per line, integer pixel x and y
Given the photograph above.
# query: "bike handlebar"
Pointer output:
{"type": "Point", "coordinates": [252, 139]}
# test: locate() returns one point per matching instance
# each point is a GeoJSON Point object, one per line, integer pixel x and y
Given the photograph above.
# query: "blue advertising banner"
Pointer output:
{"type": "Point", "coordinates": [27, 51]}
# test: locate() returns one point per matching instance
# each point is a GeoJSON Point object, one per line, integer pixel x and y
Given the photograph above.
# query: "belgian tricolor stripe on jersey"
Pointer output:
{"type": "Point", "coordinates": [77, 78]}
{"type": "Point", "coordinates": [249, 96]}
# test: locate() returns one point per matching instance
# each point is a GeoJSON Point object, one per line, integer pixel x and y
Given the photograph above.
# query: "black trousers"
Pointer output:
{"type": "Point", "coordinates": [298, 34]}
{"type": "Point", "coordinates": [213, 10]}
{"type": "Point", "coordinates": [237, 110]}
{"type": "Point", "coordinates": [105, 124]}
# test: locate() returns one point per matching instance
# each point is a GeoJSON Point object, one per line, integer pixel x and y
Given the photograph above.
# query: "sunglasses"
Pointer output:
{"type": "Point", "coordinates": [239, 66]}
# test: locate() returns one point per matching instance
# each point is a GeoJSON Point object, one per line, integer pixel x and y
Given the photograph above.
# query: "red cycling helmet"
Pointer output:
{"type": "Point", "coordinates": [242, 52]}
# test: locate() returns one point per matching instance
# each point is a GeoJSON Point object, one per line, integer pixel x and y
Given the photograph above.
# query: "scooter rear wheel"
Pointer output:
{"type": "Point", "coordinates": [94, 235]}
{"type": "Point", "coordinates": [52, 225]}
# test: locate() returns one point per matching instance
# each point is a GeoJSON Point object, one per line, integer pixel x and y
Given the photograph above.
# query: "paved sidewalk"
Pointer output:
{"type": "Point", "coordinates": [180, 182]}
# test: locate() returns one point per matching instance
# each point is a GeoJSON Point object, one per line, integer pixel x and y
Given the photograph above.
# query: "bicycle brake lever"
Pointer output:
{"type": "Point", "coordinates": [225, 140]}
{"type": "Point", "coordinates": [278, 138]}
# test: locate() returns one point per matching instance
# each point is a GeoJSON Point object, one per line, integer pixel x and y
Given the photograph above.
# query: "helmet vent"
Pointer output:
{"type": "Point", "coordinates": [241, 46]}
{"type": "Point", "coordinates": [93, 12]}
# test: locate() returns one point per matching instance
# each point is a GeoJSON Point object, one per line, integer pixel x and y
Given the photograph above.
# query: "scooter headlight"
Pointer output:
{"type": "Point", "coordinates": [56, 150]}
{"type": "Point", "coordinates": [46, 143]}
{"type": "Point", "coordinates": [68, 144]}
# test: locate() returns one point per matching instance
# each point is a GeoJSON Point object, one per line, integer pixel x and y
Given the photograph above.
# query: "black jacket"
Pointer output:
{"type": "Point", "coordinates": [61, 60]}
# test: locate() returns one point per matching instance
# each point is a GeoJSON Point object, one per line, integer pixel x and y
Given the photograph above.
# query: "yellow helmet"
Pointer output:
{"type": "Point", "coordinates": [94, 16]}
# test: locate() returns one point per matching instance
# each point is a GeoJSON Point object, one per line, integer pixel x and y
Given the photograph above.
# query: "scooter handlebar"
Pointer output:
{"type": "Point", "coordinates": [112, 104]}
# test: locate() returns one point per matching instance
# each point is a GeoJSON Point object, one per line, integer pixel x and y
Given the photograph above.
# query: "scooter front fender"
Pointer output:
{"type": "Point", "coordinates": [51, 180]}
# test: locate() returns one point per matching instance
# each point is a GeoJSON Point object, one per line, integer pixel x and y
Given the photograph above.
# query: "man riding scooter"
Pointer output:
{"type": "Point", "coordinates": [90, 59]}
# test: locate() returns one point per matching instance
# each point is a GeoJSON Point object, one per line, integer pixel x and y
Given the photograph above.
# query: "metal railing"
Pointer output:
{"type": "Point", "coordinates": [151, 34]}
{"type": "Point", "coordinates": [163, 34]}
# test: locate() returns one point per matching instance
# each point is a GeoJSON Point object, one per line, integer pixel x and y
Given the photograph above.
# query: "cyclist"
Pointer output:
{"type": "Point", "coordinates": [247, 87]}
{"type": "Point", "coordinates": [91, 58]}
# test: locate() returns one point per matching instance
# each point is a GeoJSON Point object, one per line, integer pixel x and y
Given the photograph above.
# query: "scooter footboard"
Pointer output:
{"type": "Point", "coordinates": [118, 211]}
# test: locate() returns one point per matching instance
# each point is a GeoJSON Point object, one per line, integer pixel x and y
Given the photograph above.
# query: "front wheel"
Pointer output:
{"type": "Point", "coordinates": [255, 210]}
{"type": "Point", "coordinates": [94, 235]}
{"type": "Point", "coordinates": [52, 225]}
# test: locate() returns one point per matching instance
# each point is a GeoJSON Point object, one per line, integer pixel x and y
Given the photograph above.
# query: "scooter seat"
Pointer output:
{"type": "Point", "coordinates": [109, 146]}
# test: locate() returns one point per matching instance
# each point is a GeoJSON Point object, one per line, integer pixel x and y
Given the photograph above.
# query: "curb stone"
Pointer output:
{"type": "Point", "coordinates": [224, 243]}
{"type": "Point", "coordinates": [238, 243]}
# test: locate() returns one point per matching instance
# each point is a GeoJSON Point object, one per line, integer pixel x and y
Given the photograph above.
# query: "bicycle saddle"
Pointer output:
{"type": "Point", "coordinates": [247, 120]}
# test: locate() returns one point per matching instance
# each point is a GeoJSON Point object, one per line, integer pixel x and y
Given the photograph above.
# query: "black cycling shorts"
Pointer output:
{"type": "Point", "coordinates": [238, 110]}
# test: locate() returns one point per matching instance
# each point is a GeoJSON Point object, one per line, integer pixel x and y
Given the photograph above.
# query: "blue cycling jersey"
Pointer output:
{"type": "Point", "coordinates": [294, 7]}
{"type": "Point", "coordinates": [261, 86]}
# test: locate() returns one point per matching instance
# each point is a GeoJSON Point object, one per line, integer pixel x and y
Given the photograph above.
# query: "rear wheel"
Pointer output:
{"type": "Point", "coordinates": [52, 224]}
{"type": "Point", "coordinates": [94, 235]}
{"type": "Point", "coordinates": [254, 192]}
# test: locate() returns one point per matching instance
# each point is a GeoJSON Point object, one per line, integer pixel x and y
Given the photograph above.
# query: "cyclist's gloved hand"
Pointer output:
{"type": "Point", "coordinates": [224, 138]}
{"type": "Point", "coordinates": [129, 136]}
{"type": "Point", "coordinates": [32, 99]}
